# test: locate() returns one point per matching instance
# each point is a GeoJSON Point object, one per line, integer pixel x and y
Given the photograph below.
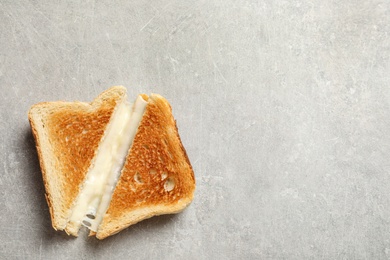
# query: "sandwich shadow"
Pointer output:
{"type": "Point", "coordinates": [37, 191]}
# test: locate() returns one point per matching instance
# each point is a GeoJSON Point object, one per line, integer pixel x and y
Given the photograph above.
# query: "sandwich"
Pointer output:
{"type": "Point", "coordinates": [109, 164]}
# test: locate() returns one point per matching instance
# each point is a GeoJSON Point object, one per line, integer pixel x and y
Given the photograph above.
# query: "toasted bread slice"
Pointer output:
{"type": "Point", "coordinates": [157, 177]}
{"type": "Point", "coordinates": [67, 135]}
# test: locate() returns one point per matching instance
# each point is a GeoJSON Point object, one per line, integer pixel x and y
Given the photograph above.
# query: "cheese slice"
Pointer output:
{"type": "Point", "coordinates": [95, 196]}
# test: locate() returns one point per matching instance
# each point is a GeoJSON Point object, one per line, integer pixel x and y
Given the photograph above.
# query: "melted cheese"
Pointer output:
{"type": "Point", "coordinates": [96, 193]}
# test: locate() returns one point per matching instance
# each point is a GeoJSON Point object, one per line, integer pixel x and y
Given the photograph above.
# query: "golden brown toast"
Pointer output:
{"type": "Point", "coordinates": [157, 177]}
{"type": "Point", "coordinates": [67, 135]}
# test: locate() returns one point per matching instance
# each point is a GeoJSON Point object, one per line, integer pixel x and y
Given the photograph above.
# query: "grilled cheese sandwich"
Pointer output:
{"type": "Point", "coordinates": [116, 177]}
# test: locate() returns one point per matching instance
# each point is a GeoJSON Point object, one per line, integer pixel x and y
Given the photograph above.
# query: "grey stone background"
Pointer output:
{"type": "Point", "coordinates": [283, 107]}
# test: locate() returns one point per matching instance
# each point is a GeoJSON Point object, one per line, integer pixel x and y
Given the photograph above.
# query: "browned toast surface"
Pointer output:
{"type": "Point", "coordinates": [157, 177]}
{"type": "Point", "coordinates": [67, 136]}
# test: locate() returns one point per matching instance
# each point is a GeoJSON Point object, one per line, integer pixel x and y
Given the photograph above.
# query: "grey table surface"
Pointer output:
{"type": "Point", "coordinates": [283, 107]}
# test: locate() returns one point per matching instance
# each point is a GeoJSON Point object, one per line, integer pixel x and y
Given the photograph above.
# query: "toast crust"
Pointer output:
{"type": "Point", "coordinates": [67, 135]}
{"type": "Point", "coordinates": [157, 177]}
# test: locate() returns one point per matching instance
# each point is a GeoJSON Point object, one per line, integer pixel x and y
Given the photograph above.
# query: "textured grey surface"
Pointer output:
{"type": "Point", "coordinates": [283, 107]}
